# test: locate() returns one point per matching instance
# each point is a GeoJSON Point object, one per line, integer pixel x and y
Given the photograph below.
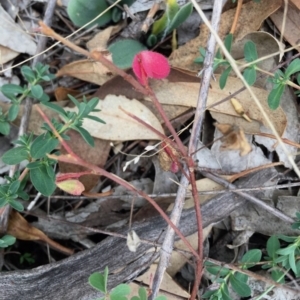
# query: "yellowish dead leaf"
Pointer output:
{"type": "Point", "coordinates": [119, 126]}
{"type": "Point", "coordinates": [186, 94]}
{"type": "Point", "coordinates": [239, 109]}
{"type": "Point", "coordinates": [87, 70]}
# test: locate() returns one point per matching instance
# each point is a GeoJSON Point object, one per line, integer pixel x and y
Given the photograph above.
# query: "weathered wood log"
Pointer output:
{"type": "Point", "coordinates": [68, 279]}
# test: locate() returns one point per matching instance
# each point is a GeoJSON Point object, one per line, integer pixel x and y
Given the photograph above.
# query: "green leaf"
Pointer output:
{"type": "Point", "coordinates": [278, 276]}
{"type": "Point", "coordinates": [7, 240]}
{"type": "Point", "coordinates": [239, 287]}
{"type": "Point", "coordinates": [42, 181]}
{"type": "Point", "coordinates": [4, 127]}
{"type": "Point", "coordinates": [161, 298]}
{"type": "Point", "coordinates": [208, 294]}
{"type": "Point", "coordinates": [216, 270]}
{"type": "Point", "coordinates": [16, 205]}
{"type": "Point", "coordinates": [119, 292]}
{"type": "Point", "coordinates": [13, 112]}
{"type": "Point", "coordinates": [223, 77]}
{"type": "Point", "coordinates": [97, 281]}
{"type": "Point", "coordinates": [15, 156]}
{"type": "Point", "coordinates": [15, 185]}
{"type": "Point", "coordinates": [123, 52]}
{"type": "Point", "coordinates": [228, 41]}
{"type": "Point", "coordinates": [85, 134]}
{"type": "Point", "coordinates": [12, 89]}
{"type": "Point", "coordinates": [183, 13]}
{"type": "Point", "coordinates": [250, 75]}
{"type": "Point", "coordinates": [287, 250]}
{"type": "Point", "coordinates": [250, 51]}
{"type": "Point", "coordinates": [28, 74]}
{"type": "Point", "coordinates": [293, 68]}
{"type": "Point", "coordinates": [273, 245]}
{"type": "Point", "coordinates": [241, 277]}
{"type": "Point", "coordinates": [251, 257]}
{"type": "Point", "coordinates": [37, 91]}
{"type": "Point", "coordinates": [55, 108]}
{"type": "Point", "coordinates": [292, 262]}
{"type": "Point", "coordinates": [288, 239]}
{"type": "Point", "coordinates": [143, 293]}
{"type": "Point", "coordinates": [42, 145]}
{"type": "Point", "coordinates": [225, 292]}
{"type": "Point", "coordinates": [275, 96]}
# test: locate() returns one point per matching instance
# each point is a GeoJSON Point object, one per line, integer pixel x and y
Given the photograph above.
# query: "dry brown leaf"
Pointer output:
{"type": "Point", "coordinates": [234, 138]}
{"type": "Point", "coordinates": [292, 24]}
{"type": "Point", "coordinates": [100, 40]}
{"type": "Point", "coordinates": [119, 126]}
{"type": "Point", "coordinates": [61, 93]}
{"type": "Point", "coordinates": [87, 70]}
{"type": "Point", "coordinates": [296, 3]}
{"type": "Point", "coordinates": [251, 17]}
{"type": "Point", "coordinates": [22, 230]}
{"type": "Point", "coordinates": [6, 54]}
{"type": "Point", "coordinates": [97, 155]}
{"type": "Point", "coordinates": [186, 94]}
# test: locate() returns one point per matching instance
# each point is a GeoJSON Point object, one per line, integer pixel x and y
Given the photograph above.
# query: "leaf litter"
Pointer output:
{"type": "Point", "coordinates": [231, 153]}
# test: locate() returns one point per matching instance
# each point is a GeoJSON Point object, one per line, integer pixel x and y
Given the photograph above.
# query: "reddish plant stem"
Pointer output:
{"type": "Point", "coordinates": [72, 158]}
{"type": "Point", "coordinates": [149, 92]}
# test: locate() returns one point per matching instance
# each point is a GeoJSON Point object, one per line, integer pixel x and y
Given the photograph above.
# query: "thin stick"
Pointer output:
{"type": "Point", "coordinates": [236, 16]}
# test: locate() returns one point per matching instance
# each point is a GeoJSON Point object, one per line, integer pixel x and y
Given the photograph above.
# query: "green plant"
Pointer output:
{"type": "Point", "coordinates": [82, 12]}
{"type": "Point", "coordinates": [172, 18]}
{"type": "Point", "coordinates": [7, 240]}
{"type": "Point", "coordinates": [280, 260]}
{"type": "Point", "coordinates": [99, 282]}
{"type": "Point", "coordinates": [225, 277]}
{"type": "Point", "coordinates": [35, 150]}
{"type": "Point", "coordinates": [27, 257]}
{"type": "Point", "coordinates": [280, 79]}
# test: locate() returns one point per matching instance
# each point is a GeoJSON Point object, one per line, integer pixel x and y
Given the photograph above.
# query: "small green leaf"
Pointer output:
{"type": "Point", "coordinates": [216, 270]}
{"type": "Point", "coordinates": [293, 68]}
{"type": "Point", "coordinates": [43, 145]}
{"type": "Point", "coordinates": [241, 277]}
{"type": "Point", "coordinates": [250, 51]}
{"type": "Point", "coordinates": [42, 181]}
{"type": "Point", "coordinates": [223, 77]}
{"type": "Point", "coordinates": [13, 112]}
{"type": "Point", "coordinates": [208, 294]}
{"type": "Point", "coordinates": [143, 293]}
{"type": "Point", "coordinates": [16, 205]}
{"type": "Point", "coordinates": [37, 91]}
{"type": "Point", "coordinates": [273, 245]}
{"type": "Point", "coordinates": [28, 73]}
{"type": "Point", "coordinates": [251, 257]}
{"type": "Point", "coordinates": [161, 298]}
{"type": "Point", "coordinates": [275, 96]}
{"type": "Point", "coordinates": [225, 292]}
{"type": "Point", "coordinates": [228, 42]}
{"type": "Point", "coordinates": [97, 281]}
{"type": "Point", "coordinates": [85, 134]}
{"type": "Point", "coordinates": [287, 250]}
{"type": "Point", "coordinates": [11, 89]}
{"type": "Point", "coordinates": [292, 262]}
{"type": "Point", "coordinates": [239, 287]}
{"type": "Point", "coordinates": [119, 292]}
{"type": "Point", "coordinates": [55, 108]}
{"type": "Point", "coordinates": [7, 240]}
{"type": "Point", "coordinates": [183, 13]}
{"type": "Point", "coordinates": [278, 276]}
{"type": "Point", "coordinates": [15, 156]}
{"type": "Point", "coordinates": [288, 239]}
{"type": "Point", "coordinates": [250, 75]}
{"type": "Point", "coordinates": [4, 127]}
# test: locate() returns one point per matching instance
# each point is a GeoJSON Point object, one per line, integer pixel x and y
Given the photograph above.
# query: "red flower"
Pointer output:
{"type": "Point", "coordinates": [149, 64]}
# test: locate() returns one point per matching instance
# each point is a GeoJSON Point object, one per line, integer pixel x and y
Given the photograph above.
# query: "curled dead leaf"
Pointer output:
{"type": "Point", "coordinates": [239, 109]}
{"type": "Point", "coordinates": [234, 138]}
